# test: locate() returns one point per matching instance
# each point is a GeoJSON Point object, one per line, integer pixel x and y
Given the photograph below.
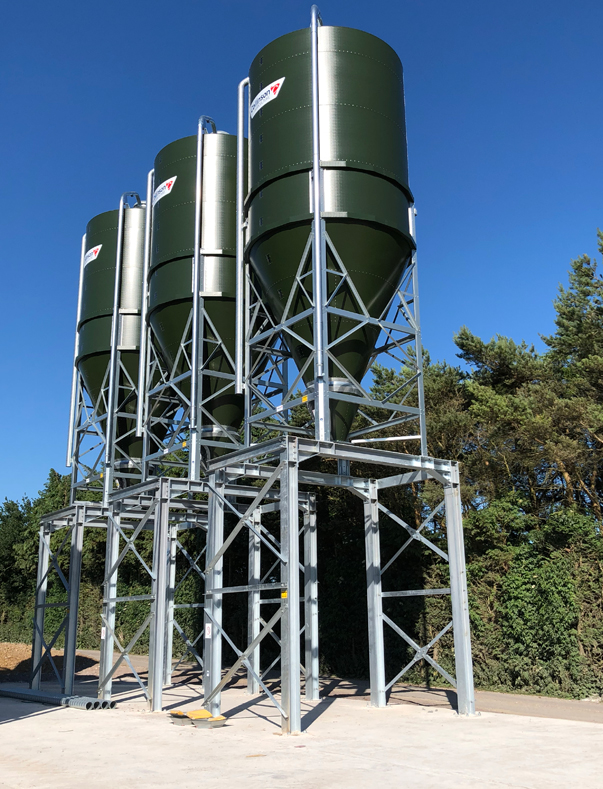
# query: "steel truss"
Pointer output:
{"type": "Point", "coordinates": [277, 464]}
{"type": "Point", "coordinates": [60, 560]}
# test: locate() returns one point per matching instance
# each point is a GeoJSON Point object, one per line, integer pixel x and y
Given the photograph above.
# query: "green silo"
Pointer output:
{"type": "Point", "coordinates": [366, 193]}
{"type": "Point", "coordinates": [94, 329]}
{"type": "Point", "coordinates": [170, 275]}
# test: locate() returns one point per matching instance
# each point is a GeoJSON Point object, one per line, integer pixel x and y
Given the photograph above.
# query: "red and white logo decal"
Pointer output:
{"type": "Point", "coordinates": [267, 94]}
{"type": "Point", "coordinates": [92, 254]}
{"type": "Point", "coordinates": [164, 189]}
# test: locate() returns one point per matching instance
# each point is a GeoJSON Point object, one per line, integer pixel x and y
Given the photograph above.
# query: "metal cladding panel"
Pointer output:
{"type": "Point", "coordinates": [132, 265]}
{"type": "Point", "coordinates": [170, 278]}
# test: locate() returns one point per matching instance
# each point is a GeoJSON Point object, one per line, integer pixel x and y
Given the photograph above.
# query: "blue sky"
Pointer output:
{"type": "Point", "coordinates": [504, 113]}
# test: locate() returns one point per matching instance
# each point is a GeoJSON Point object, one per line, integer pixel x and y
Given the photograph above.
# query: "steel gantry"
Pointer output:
{"type": "Point", "coordinates": [255, 502]}
{"type": "Point", "coordinates": [61, 539]}
{"type": "Point", "coordinates": [277, 464]}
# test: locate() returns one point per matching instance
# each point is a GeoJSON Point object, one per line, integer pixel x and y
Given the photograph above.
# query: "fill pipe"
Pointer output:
{"type": "Point", "coordinates": [114, 339]}
{"type": "Point", "coordinates": [204, 121]}
{"type": "Point", "coordinates": [75, 352]}
{"type": "Point", "coordinates": [142, 363]}
{"type": "Point", "coordinates": [240, 271]}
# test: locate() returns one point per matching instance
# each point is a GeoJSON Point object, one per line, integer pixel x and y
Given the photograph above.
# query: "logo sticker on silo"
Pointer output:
{"type": "Point", "coordinates": [267, 94]}
{"type": "Point", "coordinates": [164, 189]}
{"type": "Point", "coordinates": [92, 254]}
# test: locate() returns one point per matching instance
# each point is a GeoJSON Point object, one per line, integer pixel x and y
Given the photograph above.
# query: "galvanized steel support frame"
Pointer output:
{"type": "Point", "coordinates": [68, 523]}
{"type": "Point", "coordinates": [165, 507]}
{"type": "Point", "coordinates": [277, 464]}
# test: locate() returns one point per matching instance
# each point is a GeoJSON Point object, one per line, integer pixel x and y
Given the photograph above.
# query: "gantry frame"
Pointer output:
{"type": "Point", "coordinates": [277, 464]}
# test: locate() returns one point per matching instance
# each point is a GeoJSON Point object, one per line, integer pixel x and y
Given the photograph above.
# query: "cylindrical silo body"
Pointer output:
{"type": "Point", "coordinates": [94, 329]}
{"type": "Point", "coordinates": [365, 183]}
{"type": "Point", "coordinates": [171, 269]}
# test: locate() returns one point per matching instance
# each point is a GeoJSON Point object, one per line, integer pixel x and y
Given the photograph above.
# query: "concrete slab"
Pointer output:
{"type": "Point", "coordinates": [346, 743]}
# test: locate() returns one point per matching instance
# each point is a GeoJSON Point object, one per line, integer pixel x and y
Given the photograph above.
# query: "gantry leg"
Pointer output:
{"type": "Point", "coordinates": [312, 663]}
{"type": "Point", "coordinates": [158, 623]}
{"type": "Point", "coordinates": [459, 598]}
{"type": "Point", "coordinates": [212, 641]}
{"type": "Point", "coordinates": [75, 571]}
{"type": "Point", "coordinates": [290, 621]}
{"type": "Point", "coordinates": [373, 591]}
{"type": "Point", "coordinates": [41, 587]}
{"type": "Point", "coordinates": [253, 604]}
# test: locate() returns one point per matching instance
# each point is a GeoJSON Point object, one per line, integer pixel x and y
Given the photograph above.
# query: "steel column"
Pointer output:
{"type": "Point", "coordinates": [290, 621]}
{"type": "Point", "coordinates": [75, 571]}
{"type": "Point", "coordinates": [212, 639]}
{"type": "Point", "coordinates": [253, 603]}
{"type": "Point", "coordinates": [160, 573]}
{"type": "Point", "coordinates": [374, 600]}
{"type": "Point", "coordinates": [41, 587]}
{"type": "Point", "coordinates": [169, 619]}
{"type": "Point", "coordinates": [459, 598]}
{"type": "Point", "coordinates": [312, 660]}
{"type": "Point", "coordinates": [110, 593]}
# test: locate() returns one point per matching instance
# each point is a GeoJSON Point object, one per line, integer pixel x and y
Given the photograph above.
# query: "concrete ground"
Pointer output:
{"type": "Point", "coordinates": [418, 741]}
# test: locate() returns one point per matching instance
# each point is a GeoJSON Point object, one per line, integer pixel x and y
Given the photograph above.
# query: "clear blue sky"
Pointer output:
{"type": "Point", "coordinates": [505, 120]}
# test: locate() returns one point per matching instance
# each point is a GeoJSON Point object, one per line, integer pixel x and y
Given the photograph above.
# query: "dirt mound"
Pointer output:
{"type": "Point", "coordinates": [15, 662]}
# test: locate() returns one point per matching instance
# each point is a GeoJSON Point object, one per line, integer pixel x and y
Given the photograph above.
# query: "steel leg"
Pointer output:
{"type": "Point", "coordinates": [311, 602]}
{"type": "Point", "coordinates": [374, 601]}
{"type": "Point", "coordinates": [459, 598]}
{"type": "Point", "coordinates": [160, 572]}
{"type": "Point", "coordinates": [75, 571]}
{"type": "Point", "coordinates": [290, 621]}
{"type": "Point", "coordinates": [253, 604]}
{"type": "Point", "coordinates": [169, 625]}
{"type": "Point", "coordinates": [212, 640]}
{"type": "Point", "coordinates": [110, 593]}
{"type": "Point", "coordinates": [38, 633]}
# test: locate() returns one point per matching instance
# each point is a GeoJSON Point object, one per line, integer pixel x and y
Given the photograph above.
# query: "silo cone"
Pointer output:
{"type": "Point", "coordinates": [170, 278]}
{"type": "Point", "coordinates": [94, 329]}
{"type": "Point", "coordinates": [366, 193]}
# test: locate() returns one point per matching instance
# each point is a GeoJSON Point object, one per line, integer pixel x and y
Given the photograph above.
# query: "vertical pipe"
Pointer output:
{"type": "Point", "coordinates": [194, 433]}
{"type": "Point", "coordinates": [160, 571]}
{"type": "Point", "coordinates": [240, 290]}
{"type": "Point", "coordinates": [145, 306]}
{"type": "Point", "coordinates": [290, 620]}
{"type": "Point", "coordinates": [412, 213]}
{"type": "Point", "coordinates": [321, 393]}
{"type": "Point", "coordinates": [111, 399]}
{"type": "Point", "coordinates": [253, 603]}
{"type": "Point", "coordinates": [212, 638]}
{"type": "Point", "coordinates": [109, 595]}
{"type": "Point", "coordinates": [75, 571]}
{"type": "Point", "coordinates": [169, 619]}
{"type": "Point", "coordinates": [75, 353]}
{"type": "Point", "coordinates": [38, 633]}
{"type": "Point", "coordinates": [373, 592]}
{"type": "Point", "coordinates": [311, 602]}
{"type": "Point", "coordinates": [459, 598]}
